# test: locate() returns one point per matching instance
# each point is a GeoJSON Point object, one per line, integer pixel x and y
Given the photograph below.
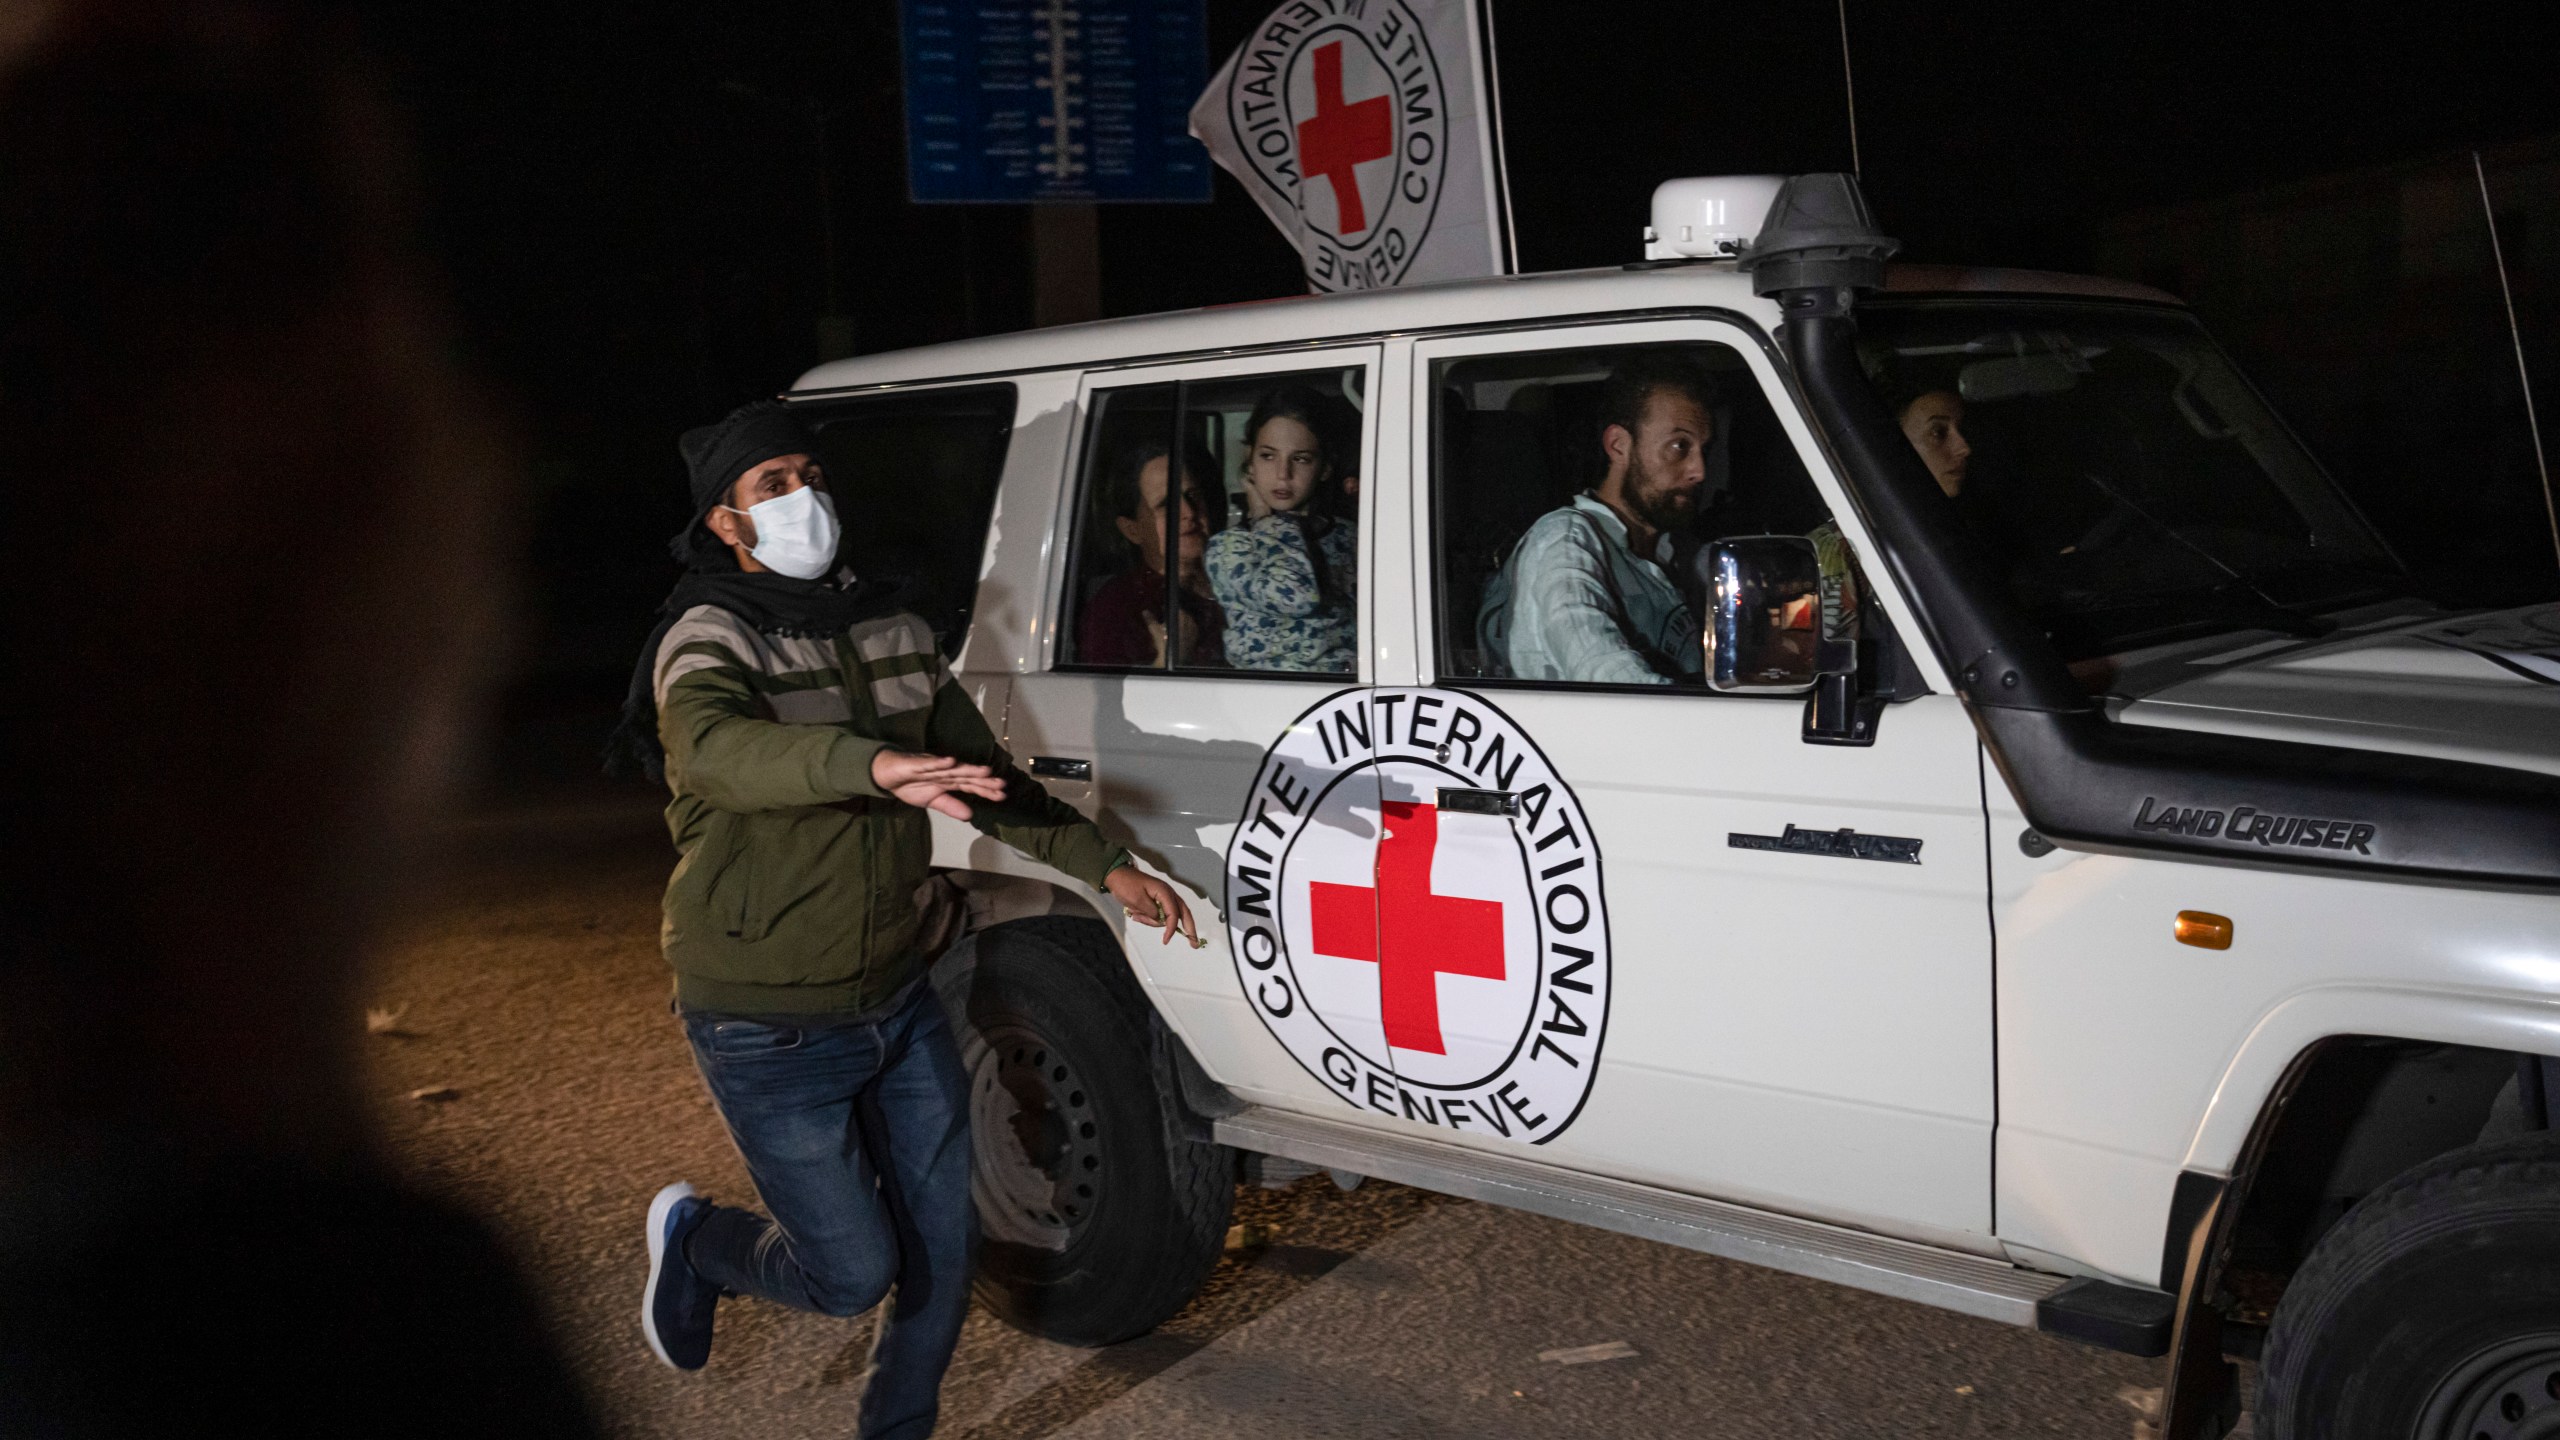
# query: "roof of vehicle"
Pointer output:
{"type": "Point", "coordinates": [1315, 319]}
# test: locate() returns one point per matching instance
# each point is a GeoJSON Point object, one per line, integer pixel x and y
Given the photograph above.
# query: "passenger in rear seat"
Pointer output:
{"type": "Point", "coordinates": [1286, 577]}
{"type": "Point", "coordinates": [1123, 622]}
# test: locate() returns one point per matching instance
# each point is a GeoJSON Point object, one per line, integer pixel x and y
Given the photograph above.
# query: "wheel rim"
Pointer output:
{"type": "Point", "coordinates": [1036, 1139]}
{"type": "Point", "coordinates": [2510, 1391]}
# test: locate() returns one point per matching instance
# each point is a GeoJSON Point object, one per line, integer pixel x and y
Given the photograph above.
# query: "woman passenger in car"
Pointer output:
{"type": "Point", "coordinates": [1123, 621]}
{"type": "Point", "coordinates": [1285, 577]}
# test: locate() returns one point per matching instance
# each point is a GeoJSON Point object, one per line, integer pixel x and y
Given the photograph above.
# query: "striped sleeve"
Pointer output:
{"type": "Point", "coordinates": [901, 665]}
{"type": "Point", "coordinates": [748, 721]}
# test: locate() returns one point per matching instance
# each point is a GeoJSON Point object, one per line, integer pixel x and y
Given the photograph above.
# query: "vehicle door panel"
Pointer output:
{"type": "Point", "coordinates": [1791, 1029]}
{"type": "Point", "coordinates": [1174, 756]}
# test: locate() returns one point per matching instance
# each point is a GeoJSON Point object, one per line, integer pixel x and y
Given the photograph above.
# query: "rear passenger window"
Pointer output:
{"type": "Point", "coordinates": [1218, 529]}
{"type": "Point", "coordinates": [916, 474]}
{"type": "Point", "coordinates": [1575, 492]}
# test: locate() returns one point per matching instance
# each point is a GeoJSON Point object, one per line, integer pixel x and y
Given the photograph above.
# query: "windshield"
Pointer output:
{"type": "Point", "coordinates": [2127, 483]}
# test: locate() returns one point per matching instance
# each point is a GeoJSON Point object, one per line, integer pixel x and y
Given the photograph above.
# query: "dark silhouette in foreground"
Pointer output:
{"type": "Point", "coordinates": [254, 583]}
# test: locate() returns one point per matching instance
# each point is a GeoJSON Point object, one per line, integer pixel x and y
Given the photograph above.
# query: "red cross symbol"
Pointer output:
{"type": "Point", "coordinates": [1338, 137]}
{"type": "Point", "coordinates": [1424, 936]}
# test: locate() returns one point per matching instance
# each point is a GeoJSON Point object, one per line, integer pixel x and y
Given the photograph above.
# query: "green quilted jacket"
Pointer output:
{"type": "Point", "coordinates": [795, 893]}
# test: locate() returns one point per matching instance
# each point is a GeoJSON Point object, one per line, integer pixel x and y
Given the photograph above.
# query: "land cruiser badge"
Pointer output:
{"type": "Point", "coordinates": [1414, 903]}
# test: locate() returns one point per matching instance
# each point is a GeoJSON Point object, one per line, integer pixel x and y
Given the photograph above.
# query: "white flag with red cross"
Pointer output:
{"type": "Point", "coordinates": [1368, 131]}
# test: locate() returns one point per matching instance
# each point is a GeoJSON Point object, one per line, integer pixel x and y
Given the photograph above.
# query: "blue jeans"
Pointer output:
{"type": "Point", "coordinates": [858, 1137]}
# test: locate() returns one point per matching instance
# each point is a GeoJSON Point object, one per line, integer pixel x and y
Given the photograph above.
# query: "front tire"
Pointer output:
{"type": "Point", "coordinates": [1098, 1220]}
{"type": "Point", "coordinates": [2431, 1312]}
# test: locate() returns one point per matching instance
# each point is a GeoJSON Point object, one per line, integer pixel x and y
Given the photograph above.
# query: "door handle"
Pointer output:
{"type": "Point", "coordinates": [1478, 802]}
{"type": "Point", "coordinates": [1060, 767]}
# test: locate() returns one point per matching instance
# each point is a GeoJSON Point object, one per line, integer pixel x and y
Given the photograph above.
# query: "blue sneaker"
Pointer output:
{"type": "Point", "coordinates": [675, 1311]}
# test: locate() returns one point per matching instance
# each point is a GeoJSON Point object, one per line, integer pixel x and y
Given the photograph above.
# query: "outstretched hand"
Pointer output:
{"type": "Point", "coordinates": [1150, 901]}
{"type": "Point", "coordinates": [934, 782]}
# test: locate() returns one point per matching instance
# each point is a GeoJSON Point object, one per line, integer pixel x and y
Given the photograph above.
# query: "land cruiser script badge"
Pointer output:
{"type": "Point", "coordinates": [1847, 844]}
{"type": "Point", "coordinates": [1414, 904]}
{"type": "Point", "coordinates": [2247, 823]}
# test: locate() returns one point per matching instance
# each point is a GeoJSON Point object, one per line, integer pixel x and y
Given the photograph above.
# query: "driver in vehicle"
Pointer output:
{"type": "Point", "coordinates": [1588, 594]}
{"type": "Point", "coordinates": [1933, 421]}
{"type": "Point", "coordinates": [1934, 424]}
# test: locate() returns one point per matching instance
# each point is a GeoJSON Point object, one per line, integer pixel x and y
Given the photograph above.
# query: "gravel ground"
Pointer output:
{"type": "Point", "coordinates": [1437, 1332]}
{"type": "Point", "coordinates": [530, 1005]}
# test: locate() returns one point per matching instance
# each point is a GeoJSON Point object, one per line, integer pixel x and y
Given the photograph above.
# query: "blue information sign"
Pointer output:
{"type": "Point", "coordinates": [1054, 100]}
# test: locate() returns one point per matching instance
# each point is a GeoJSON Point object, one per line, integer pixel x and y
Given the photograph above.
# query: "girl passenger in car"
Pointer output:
{"type": "Point", "coordinates": [1286, 576]}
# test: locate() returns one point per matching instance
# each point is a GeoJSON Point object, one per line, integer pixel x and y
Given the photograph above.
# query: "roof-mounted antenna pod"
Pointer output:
{"type": "Point", "coordinates": [1819, 236]}
{"type": "Point", "coordinates": [1708, 217]}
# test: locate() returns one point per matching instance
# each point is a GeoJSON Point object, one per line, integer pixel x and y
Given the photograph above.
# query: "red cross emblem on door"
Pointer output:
{"type": "Point", "coordinates": [1413, 936]}
{"type": "Point", "coordinates": [1340, 137]}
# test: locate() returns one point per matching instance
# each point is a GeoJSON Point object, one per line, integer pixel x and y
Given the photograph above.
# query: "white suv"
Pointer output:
{"type": "Point", "coordinates": [2107, 899]}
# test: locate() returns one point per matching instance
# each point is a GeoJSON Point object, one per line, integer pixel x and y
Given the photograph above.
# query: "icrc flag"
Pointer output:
{"type": "Point", "coordinates": [1368, 131]}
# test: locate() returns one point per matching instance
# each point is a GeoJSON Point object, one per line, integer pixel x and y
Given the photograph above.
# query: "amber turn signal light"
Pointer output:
{"type": "Point", "coordinates": [2203, 929]}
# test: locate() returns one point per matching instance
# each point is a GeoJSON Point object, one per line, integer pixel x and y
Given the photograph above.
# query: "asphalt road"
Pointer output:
{"type": "Point", "coordinates": [530, 1006]}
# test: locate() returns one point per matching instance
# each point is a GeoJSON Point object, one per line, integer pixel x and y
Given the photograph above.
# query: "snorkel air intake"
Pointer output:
{"type": "Point", "coordinates": [1818, 236]}
{"type": "Point", "coordinates": [1818, 250]}
{"type": "Point", "coordinates": [2083, 779]}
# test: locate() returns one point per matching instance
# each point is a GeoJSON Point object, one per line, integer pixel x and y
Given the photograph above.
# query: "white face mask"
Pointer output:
{"type": "Point", "coordinates": [795, 533]}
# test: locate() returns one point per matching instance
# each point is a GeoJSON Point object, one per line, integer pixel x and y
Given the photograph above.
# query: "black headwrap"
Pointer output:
{"type": "Point", "coordinates": [715, 456]}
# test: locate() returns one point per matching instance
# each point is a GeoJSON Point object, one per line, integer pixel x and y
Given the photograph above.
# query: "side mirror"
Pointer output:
{"type": "Point", "coordinates": [1765, 635]}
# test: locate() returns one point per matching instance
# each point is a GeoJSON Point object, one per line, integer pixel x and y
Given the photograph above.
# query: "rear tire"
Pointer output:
{"type": "Point", "coordinates": [1098, 1220]}
{"type": "Point", "coordinates": [2431, 1312]}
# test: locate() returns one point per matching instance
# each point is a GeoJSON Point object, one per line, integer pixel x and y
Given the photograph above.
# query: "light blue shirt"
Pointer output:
{"type": "Point", "coordinates": [1582, 606]}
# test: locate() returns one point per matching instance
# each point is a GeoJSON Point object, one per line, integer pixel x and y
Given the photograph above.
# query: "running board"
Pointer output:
{"type": "Point", "coordinates": [1947, 1279]}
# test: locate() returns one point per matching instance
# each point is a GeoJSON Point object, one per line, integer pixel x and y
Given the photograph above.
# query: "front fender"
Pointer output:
{"type": "Point", "coordinates": [2488, 1019]}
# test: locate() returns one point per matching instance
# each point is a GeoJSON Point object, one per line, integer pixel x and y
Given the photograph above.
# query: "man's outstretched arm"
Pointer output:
{"type": "Point", "coordinates": [1027, 817]}
{"type": "Point", "coordinates": [721, 748]}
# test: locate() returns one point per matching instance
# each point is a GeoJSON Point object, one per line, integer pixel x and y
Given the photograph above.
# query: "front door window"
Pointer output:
{"type": "Point", "coordinates": [1576, 490]}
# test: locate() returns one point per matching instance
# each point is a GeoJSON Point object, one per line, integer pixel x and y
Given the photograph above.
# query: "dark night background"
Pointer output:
{"type": "Point", "coordinates": [625, 201]}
